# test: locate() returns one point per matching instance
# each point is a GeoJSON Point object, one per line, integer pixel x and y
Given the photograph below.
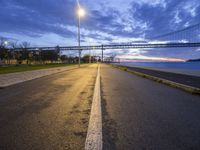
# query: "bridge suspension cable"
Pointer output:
{"type": "Point", "coordinates": [189, 34]}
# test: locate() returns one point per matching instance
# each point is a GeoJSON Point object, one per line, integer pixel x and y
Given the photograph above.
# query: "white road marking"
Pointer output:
{"type": "Point", "coordinates": [94, 133]}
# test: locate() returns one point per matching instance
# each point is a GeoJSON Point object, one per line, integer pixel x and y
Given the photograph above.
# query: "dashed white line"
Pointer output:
{"type": "Point", "coordinates": [94, 133]}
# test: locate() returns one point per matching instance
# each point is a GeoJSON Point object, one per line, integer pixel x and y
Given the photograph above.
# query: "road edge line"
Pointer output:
{"type": "Point", "coordinates": [186, 88]}
{"type": "Point", "coordinates": [94, 134]}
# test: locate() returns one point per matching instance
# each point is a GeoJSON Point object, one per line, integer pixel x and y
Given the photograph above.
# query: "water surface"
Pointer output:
{"type": "Point", "coordinates": [190, 68]}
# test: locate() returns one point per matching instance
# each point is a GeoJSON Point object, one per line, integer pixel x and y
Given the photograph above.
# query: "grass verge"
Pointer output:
{"type": "Point", "coordinates": [186, 88]}
{"type": "Point", "coordinates": [12, 69]}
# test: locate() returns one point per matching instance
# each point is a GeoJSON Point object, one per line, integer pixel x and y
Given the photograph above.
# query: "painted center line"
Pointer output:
{"type": "Point", "coordinates": [94, 133]}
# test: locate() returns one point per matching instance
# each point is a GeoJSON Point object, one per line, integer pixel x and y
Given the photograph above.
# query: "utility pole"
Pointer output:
{"type": "Point", "coordinates": [102, 53]}
{"type": "Point", "coordinates": [79, 43]}
{"type": "Point", "coordinates": [81, 13]}
{"type": "Point", "coordinates": [90, 57]}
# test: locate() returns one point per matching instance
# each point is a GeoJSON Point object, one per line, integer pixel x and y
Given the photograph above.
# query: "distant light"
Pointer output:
{"type": "Point", "coordinates": [6, 42]}
{"type": "Point", "coordinates": [81, 12]}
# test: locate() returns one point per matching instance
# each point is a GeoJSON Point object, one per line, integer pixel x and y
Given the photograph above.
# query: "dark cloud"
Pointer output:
{"type": "Point", "coordinates": [35, 18]}
{"type": "Point", "coordinates": [162, 20]}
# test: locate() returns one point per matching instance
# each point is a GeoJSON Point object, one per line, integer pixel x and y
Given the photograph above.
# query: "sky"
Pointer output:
{"type": "Point", "coordinates": [54, 22]}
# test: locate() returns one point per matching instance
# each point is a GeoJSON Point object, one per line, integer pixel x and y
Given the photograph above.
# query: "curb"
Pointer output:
{"type": "Point", "coordinates": [186, 88]}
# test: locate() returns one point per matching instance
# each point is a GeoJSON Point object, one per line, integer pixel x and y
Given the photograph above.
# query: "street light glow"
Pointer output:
{"type": "Point", "coordinates": [6, 42]}
{"type": "Point", "coordinates": [81, 12]}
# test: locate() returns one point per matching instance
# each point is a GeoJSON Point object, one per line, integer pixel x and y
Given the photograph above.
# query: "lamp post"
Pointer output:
{"type": "Point", "coordinates": [81, 13]}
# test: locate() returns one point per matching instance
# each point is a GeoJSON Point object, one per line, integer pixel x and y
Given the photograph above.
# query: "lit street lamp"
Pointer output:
{"type": "Point", "coordinates": [81, 13]}
{"type": "Point", "coordinates": [6, 43]}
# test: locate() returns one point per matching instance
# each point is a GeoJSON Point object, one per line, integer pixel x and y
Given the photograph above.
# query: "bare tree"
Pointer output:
{"type": "Point", "coordinates": [14, 45]}
{"type": "Point", "coordinates": [3, 50]}
{"type": "Point", "coordinates": [24, 46]}
{"type": "Point", "coordinates": [14, 54]}
{"type": "Point", "coordinates": [2, 42]}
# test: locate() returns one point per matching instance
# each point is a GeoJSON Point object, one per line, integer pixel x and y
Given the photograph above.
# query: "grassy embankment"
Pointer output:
{"type": "Point", "coordinates": [12, 69]}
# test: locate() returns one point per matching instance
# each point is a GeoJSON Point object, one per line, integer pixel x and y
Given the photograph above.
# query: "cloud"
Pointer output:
{"type": "Point", "coordinates": [177, 19]}
{"type": "Point", "coordinates": [47, 22]}
{"type": "Point", "coordinates": [191, 7]}
{"type": "Point", "coordinates": [153, 3]}
{"type": "Point", "coordinates": [134, 19]}
{"type": "Point", "coordinates": [48, 39]}
{"type": "Point", "coordinates": [148, 58]}
{"type": "Point", "coordinates": [35, 18]}
{"type": "Point", "coordinates": [198, 50]}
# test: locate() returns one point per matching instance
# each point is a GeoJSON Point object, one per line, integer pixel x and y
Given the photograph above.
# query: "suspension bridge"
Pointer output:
{"type": "Point", "coordinates": [187, 37]}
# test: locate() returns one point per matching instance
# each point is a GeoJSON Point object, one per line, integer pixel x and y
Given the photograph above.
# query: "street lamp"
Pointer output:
{"type": "Point", "coordinates": [80, 13]}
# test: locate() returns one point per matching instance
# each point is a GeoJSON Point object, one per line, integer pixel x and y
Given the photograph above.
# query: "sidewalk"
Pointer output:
{"type": "Point", "coordinates": [19, 77]}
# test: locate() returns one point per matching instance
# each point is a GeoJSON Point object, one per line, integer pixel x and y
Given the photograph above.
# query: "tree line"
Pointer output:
{"type": "Point", "coordinates": [19, 52]}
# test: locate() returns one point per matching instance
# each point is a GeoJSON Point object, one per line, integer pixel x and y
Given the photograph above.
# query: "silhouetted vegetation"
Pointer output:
{"type": "Point", "coordinates": [19, 53]}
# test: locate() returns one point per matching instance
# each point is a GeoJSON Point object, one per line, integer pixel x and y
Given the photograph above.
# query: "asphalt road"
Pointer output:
{"type": "Point", "coordinates": [140, 114]}
{"type": "Point", "coordinates": [49, 113]}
